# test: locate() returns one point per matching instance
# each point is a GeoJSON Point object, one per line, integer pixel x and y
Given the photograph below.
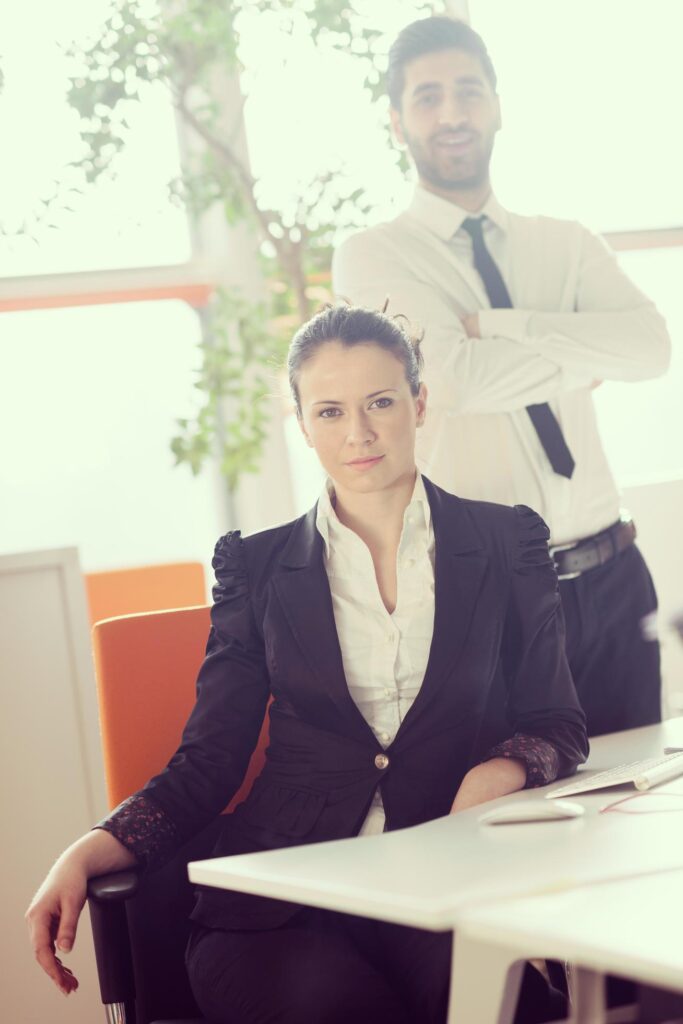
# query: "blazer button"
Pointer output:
{"type": "Point", "coordinates": [381, 761]}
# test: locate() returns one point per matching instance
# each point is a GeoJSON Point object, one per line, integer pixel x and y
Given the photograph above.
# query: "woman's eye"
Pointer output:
{"type": "Point", "coordinates": [330, 413]}
{"type": "Point", "coordinates": [382, 403]}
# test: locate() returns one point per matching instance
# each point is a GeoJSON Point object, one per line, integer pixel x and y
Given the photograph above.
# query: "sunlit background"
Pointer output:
{"type": "Point", "coordinates": [89, 394]}
{"type": "Point", "coordinates": [108, 293]}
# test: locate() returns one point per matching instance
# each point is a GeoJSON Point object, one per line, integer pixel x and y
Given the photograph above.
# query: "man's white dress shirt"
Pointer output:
{"type": "Point", "coordinates": [577, 319]}
{"type": "Point", "coordinates": [384, 655]}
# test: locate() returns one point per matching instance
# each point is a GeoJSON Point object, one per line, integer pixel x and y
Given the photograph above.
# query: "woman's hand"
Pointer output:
{"type": "Point", "coordinates": [491, 779]}
{"type": "Point", "coordinates": [52, 919]}
{"type": "Point", "coordinates": [53, 915]}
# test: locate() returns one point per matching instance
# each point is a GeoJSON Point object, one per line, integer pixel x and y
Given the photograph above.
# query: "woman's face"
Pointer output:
{"type": "Point", "coordinates": [358, 412]}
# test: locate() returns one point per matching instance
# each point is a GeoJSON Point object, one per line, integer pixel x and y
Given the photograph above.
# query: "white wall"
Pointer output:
{"type": "Point", "coordinates": [88, 403]}
{"type": "Point", "coordinates": [50, 762]}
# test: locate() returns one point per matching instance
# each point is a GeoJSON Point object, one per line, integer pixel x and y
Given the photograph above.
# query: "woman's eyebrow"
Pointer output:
{"type": "Point", "coordinates": [337, 401]}
{"type": "Point", "coordinates": [380, 392]}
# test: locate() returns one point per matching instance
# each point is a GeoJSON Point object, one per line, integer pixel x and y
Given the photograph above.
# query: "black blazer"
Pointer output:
{"type": "Point", "coordinates": [498, 626]}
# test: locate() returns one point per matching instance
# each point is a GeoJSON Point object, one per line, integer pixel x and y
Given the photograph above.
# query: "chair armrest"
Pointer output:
{"type": "Point", "coordinates": [114, 887]}
{"type": "Point", "coordinates": [107, 895]}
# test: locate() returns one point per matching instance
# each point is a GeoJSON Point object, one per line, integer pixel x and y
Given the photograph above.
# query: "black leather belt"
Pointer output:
{"type": "Point", "coordinates": [573, 559]}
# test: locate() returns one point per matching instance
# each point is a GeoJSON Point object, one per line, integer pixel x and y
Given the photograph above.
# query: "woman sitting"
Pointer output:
{"type": "Point", "coordinates": [379, 623]}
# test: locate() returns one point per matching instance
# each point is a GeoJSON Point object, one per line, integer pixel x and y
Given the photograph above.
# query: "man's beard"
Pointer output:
{"type": "Point", "coordinates": [477, 174]}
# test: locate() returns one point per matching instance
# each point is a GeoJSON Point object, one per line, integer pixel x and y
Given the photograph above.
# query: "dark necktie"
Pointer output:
{"type": "Point", "coordinates": [542, 416]}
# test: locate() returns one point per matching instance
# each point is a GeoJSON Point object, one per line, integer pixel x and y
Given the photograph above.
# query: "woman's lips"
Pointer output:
{"type": "Point", "coordinates": [362, 464]}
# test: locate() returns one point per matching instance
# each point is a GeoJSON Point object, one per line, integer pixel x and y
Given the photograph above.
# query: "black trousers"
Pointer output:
{"type": "Point", "coordinates": [615, 666]}
{"type": "Point", "coordinates": [326, 968]}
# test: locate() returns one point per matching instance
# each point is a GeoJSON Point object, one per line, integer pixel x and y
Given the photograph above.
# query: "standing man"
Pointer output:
{"type": "Point", "coordinates": [523, 317]}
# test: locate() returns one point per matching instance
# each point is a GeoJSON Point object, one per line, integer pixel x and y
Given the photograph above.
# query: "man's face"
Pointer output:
{"type": "Point", "coordinates": [448, 119]}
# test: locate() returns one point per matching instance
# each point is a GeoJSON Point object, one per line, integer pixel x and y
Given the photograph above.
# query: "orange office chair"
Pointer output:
{"type": "Point", "coordinates": [146, 588]}
{"type": "Point", "coordinates": [146, 666]}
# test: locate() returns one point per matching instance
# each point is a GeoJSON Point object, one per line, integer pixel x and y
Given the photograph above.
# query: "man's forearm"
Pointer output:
{"type": "Point", "coordinates": [626, 345]}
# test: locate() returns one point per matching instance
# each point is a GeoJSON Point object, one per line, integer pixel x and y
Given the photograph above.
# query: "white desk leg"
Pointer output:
{"type": "Point", "coordinates": [485, 982]}
{"type": "Point", "coordinates": [588, 992]}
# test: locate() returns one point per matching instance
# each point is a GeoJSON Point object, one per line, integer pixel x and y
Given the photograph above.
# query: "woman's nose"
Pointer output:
{"type": "Point", "coordinates": [360, 430]}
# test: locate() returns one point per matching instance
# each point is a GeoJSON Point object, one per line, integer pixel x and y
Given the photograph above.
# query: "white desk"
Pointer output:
{"type": "Point", "coordinates": [454, 864]}
{"type": "Point", "coordinates": [629, 927]}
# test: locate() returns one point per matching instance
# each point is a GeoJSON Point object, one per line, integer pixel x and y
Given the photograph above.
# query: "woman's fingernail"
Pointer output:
{"type": "Point", "coordinates": [65, 945]}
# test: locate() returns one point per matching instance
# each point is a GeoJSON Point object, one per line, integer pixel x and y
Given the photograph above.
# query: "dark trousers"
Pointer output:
{"type": "Point", "coordinates": [327, 968]}
{"type": "Point", "coordinates": [614, 665]}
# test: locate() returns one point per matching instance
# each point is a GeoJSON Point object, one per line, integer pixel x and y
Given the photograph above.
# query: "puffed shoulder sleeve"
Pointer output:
{"type": "Point", "coordinates": [232, 692]}
{"type": "Point", "coordinates": [231, 606]}
{"type": "Point", "coordinates": [542, 701]}
{"type": "Point", "coordinates": [531, 554]}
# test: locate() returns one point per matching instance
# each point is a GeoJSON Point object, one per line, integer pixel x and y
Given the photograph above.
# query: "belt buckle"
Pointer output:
{"type": "Point", "coordinates": [563, 547]}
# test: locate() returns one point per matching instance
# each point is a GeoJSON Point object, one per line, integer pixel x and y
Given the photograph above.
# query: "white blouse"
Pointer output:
{"type": "Point", "coordinates": [384, 655]}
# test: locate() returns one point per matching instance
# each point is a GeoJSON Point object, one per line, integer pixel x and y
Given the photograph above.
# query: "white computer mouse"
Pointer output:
{"type": "Point", "coordinates": [531, 810]}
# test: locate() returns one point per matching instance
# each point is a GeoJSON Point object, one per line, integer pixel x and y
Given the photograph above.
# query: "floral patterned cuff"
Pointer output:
{"type": "Point", "coordinates": [143, 828]}
{"type": "Point", "coordinates": [540, 757]}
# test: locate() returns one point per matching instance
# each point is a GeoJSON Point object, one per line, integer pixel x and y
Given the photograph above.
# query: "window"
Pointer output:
{"type": "Point", "coordinates": [89, 396]}
{"type": "Point", "coordinates": [590, 95]}
{"type": "Point", "coordinates": [298, 130]}
{"type": "Point", "coordinates": [641, 423]}
{"type": "Point", "coordinates": [88, 402]}
{"type": "Point", "coordinates": [125, 222]}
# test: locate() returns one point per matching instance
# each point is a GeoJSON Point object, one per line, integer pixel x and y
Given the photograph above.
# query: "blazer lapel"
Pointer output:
{"type": "Point", "coordinates": [459, 570]}
{"type": "Point", "coordinates": [303, 591]}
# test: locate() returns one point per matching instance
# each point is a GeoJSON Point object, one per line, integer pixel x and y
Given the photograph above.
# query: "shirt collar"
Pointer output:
{"type": "Point", "coordinates": [418, 514]}
{"type": "Point", "coordinates": [325, 514]}
{"type": "Point", "coordinates": [444, 218]}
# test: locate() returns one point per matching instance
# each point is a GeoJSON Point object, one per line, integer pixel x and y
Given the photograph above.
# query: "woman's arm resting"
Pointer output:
{"type": "Point", "coordinates": [494, 778]}
{"type": "Point", "coordinates": [53, 915]}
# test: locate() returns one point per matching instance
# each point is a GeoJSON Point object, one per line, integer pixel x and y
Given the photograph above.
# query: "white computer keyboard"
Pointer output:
{"type": "Point", "coordinates": [643, 775]}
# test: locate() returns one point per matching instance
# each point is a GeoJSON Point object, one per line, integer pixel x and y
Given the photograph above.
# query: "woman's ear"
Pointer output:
{"type": "Point", "coordinates": [302, 428]}
{"type": "Point", "coordinates": [421, 405]}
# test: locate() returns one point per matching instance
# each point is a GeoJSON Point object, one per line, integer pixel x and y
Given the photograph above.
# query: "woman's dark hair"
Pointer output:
{"type": "Point", "coordinates": [352, 325]}
{"type": "Point", "coordinates": [431, 35]}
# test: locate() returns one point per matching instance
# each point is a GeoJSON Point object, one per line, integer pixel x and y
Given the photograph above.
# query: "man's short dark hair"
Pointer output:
{"type": "Point", "coordinates": [431, 35]}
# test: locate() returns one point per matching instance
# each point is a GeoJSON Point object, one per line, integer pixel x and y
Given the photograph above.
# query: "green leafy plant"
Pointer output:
{"type": "Point", "coordinates": [187, 47]}
{"type": "Point", "coordinates": [240, 353]}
